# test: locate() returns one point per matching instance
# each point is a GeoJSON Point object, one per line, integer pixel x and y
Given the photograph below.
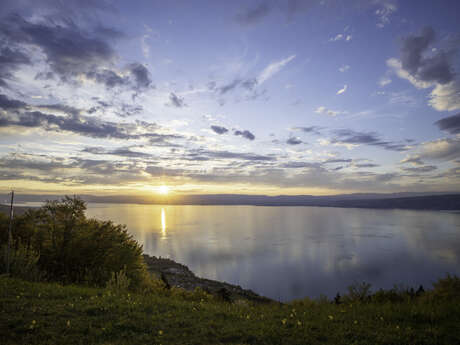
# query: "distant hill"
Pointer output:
{"type": "Point", "coordinates": [412, 201]}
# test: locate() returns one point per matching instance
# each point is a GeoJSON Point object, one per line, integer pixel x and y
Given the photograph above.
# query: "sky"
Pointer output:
{"type": "Point", "coordinates": [250, 97]}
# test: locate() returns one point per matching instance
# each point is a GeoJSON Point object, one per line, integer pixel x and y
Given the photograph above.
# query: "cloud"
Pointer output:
{"type": "Point", "coordinates": [219, 129]}
{"type": "Point", "coordinates": [366, 165]}
{"type": "Point", "coordinates": [385, 12]}
{"type": "Point", "coordinates": [414, 160]}
{"type": "Point", "coordinates": [141, 75]}
{"type": "Point", "coordinates": [342, 90]}
{"type": "Point", "coordinates": [107, 77]}
{"type": "Point", "coordinates": [421, 169]}
{"type": "Point", "coordinates": [122, 151]}
{"type": "Point", "coordinates": [10, 61]}
{"type": "Point", "coordinates": [254, 14]}
{"type": "Point", "coordinates": [426, 68]}
{"type": "Point", "coordinates": [338, 37]}
{"type": "Point", "coordinates": [344, 68]}
{"type": "Point", "coordinates": [435, 68]}
{"type": "Point", "coordinates": [72, 121]}
{"type": "Point", "coordinates": [312, 129]}
{"type": "Point", "coordinates": [201, 155]}
{"type": "Point", "coordinates": [450, 124]}
{"type": "Point", "coordinates": [384, 81]}
{"type": "Point", "coordinates": [273, 68]}
{"type": "Point", "coordinates": [337, 160]}
{"type": "Point", "coordinates": [351, 137]}
{"type": "Point", "coordinates": [176, 101]}
{"type": "Point", "coordinates": [229, 87]}
{"type": "Point", "coordinates": [294, 141]}
{"type": "Point", "coordinates": [446, 97]}
{"type": "Point", "coordinates": [69, 50]}
{"type": "Point", "coordinates": [324, 110]}
{"type": "Point", "coordinates": [10, 104]}
{"type": "Point", "coordinates": [245, 134]}
{"type": "Point", "coordinates": [441, 149]}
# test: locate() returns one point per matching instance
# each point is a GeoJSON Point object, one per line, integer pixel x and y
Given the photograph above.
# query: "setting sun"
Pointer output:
{"type": "Point", "coordinates": [163, 189]}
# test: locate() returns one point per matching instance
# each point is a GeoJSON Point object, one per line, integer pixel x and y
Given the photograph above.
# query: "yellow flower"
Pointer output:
{"type": "Point", "coordinates": [248, 317]}
{"type": "Point", "coordinates": [283, 321]}
{"type": "Point", "coordinates": [160, 332]}
{"type": "Point", "coordinates": [299, 323]}
{"type": "Point", "coordinates": [34, 322]}
{"type": "Point", "coordinates": [331, 317]}
{"type": "Point", "coordinates": [356, 322]}
{"type": "Point", "coordinates": [68, 323]}
{"type": "Point", "coordinates": [292, 315]}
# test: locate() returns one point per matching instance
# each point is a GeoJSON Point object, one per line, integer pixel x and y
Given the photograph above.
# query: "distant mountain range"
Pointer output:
{"type": "Point", "coordinates": [413, 201]}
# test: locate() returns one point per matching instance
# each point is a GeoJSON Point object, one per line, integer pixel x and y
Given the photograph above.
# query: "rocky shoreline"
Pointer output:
{"type": "Point", "coordinates": [177, 275]}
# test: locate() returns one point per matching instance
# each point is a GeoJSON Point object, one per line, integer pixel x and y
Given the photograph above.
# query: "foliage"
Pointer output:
{"type": "Point", "coordinates": [39, 313]}
{"type": "Point", "coordinates": [73, 249]}
{"type": "Point", "coordinates": [358, 292]}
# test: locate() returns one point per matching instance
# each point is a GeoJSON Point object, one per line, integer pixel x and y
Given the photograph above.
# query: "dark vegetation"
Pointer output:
{"type": "Point", "coordinates": [75, 280]}
{"type": "Point", "coordinates": [57, 242]}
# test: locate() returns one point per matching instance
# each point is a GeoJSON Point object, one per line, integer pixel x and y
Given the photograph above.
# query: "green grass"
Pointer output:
{"type": "Point", "coordinates": [49, 313]}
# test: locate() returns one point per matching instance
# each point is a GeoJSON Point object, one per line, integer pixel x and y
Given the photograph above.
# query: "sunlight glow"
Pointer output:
{"type": "Point", "coordinates": [163, 189]}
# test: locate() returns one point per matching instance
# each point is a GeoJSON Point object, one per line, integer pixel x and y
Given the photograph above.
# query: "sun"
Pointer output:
{"type": "Point", "coordinates": [163, 189]}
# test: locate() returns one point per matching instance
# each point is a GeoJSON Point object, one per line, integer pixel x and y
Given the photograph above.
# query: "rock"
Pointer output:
{"type": "Point", "coordinates": [178, 275]}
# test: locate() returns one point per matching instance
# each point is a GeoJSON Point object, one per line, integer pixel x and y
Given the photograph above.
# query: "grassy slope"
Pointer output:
{"type": "Point", "coordinates": [39, 313]}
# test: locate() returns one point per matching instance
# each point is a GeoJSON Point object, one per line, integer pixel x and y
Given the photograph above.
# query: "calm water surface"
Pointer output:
{"type": "Point", "coordinates": [292, 252]}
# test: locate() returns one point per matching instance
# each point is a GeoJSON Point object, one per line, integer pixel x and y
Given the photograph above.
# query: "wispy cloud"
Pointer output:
{"type": "Point", "coordinates": [326, 111]}
{"type": "Point", "coordinates": [273, 68]}
{"type": "Point", "coordinates": [342, 90]}
{"type": "Point", "coordinates": [344, 68]}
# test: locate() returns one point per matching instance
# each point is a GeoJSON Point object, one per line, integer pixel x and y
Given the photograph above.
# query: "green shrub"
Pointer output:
{"type": "Point", "coordinates": [446, 288]}
{"type": "Point", "coordinates": [70, 248]}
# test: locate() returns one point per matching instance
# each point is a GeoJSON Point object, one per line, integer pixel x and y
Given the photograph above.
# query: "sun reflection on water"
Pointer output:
{"type": "Point", "coordinates": [163, 223]}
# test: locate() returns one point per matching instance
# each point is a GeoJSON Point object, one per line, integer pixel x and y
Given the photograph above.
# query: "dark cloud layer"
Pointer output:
{"type": "Point", "coordinates": [348, 136]}
{"type": "Point", "coordinates": [421, 169]}
{"type": "Point", "coordinates": [69, 50]}
{"type": "Point", "coordinates": [435, 68]}
{"type": "Point", "coordinates": [122, 151]}
{"type": "Point", "coordinates": [245, 134]}
{"type": "Point", "coordinates": [74, 122]}
{"type": "Point", "coordinates": [10, 61]}
{"type": "Point", "coordinates": [450, 124]}
{"type": "Point", "coordinates": [219, 129]}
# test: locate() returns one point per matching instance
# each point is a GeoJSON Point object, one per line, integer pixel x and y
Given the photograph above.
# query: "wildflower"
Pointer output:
{"type": "Point", "coordinates": [68, 323]}
{"type": "Point", "coordinates": [397, 327]}
{"type": "Point", "coordinates": [160, 332]}
{"type": "Point", "coordinates": [331, 317]}
{"type": "Point", "coordinates": [283, 321]}
{"type": "Point", "coordinates": [34, 322]}
{"type": "Point", "coordinates": [299, 323]}
{"type": "Point", "coordinates": [355, 322]}
{"type": "Point", "coordinates": [248, 317]}
{"type": "Point", "coordinates": [292, 315]}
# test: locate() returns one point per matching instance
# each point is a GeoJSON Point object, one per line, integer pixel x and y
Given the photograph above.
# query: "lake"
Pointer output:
{"type": "Point", "coordinates": [287, 253]}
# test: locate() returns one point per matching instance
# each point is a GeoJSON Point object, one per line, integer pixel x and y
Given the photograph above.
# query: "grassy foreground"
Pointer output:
{"type": "Point", "coordinates": [49, 313]}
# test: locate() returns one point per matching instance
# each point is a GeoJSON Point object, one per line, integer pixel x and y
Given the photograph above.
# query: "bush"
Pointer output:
{"type": "Point", "coordinates": [68, 247]}
{"type": "Point", "coordinates": [446, 288]}
{"type": "Point", "coordinates": [358, 292]}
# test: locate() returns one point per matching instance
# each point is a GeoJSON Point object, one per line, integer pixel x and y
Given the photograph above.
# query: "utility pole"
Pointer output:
{"type": "Point", "coordinates": [10, 237]}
